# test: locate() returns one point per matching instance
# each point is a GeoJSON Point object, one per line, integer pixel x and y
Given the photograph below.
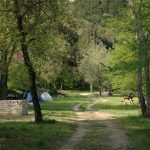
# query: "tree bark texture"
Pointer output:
{"type": "Point", "coordinates": [3, 75]}
{"type": "Point", "coordinates": [3, 84]}
{"type": "Point", "coordinates": [147, 98]}
{"type": "Point", "coordinates": [91, 87]}
{"type": "Point", "coordinates": [140, 92]}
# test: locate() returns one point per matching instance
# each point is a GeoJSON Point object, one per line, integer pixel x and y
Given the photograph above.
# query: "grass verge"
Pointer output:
{"type": "Point", "coordinates": [128, 116]}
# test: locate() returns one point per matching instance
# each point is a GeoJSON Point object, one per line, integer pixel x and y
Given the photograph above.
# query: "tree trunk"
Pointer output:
{"type": "Point", "coordinates": [54, 85]}
{"type": "Point", "coordinates": [91, 87]}
{"type": "Point", "coordinates": [5, 63]}
{"type": "Point", "coordinates": [32, 76]}
{"type": "Point", "coordinates": [100, 85]}
{"type": "Point", "coordinates": [140, 92]}
{"type": "Point", "coordinates": [3, 84]}
{"type": "Point", "coordinates": [142, 57]}
{"type": "Point", "coordinates": [100, 90]}
{"type": "Point", "coordinates": [147, 98]}
{"type": "Point", "coordinates": [4, 76]}
{"type": "Point", "coordinates": [61, 86]}
{"type": "Point", "coordinates": [28, 63]}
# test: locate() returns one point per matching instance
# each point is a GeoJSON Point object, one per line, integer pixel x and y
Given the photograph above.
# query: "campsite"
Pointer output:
{"type": "Point", "coordinates": [74, 75]}
{"type": "Point", "coordinates": [63, 118]}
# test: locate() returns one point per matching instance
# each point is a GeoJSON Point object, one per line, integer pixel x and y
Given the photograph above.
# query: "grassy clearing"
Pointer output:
{"type": "Point", "coordinates": [30, 136]}
{"type": "Point", "coordinates": [128, 116]}
{"type": "Point", "coordinates": [115, 106]}
{"type": "Point", "coordinates": [62, 108]}
{"type": "Point", "coordinates": [24, 134]}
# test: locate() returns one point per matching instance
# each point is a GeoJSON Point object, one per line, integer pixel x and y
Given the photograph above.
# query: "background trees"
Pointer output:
{"type": "Point", "coordinates": [7, 45]}
{"type": "Point", "coordinates": [103, 43]}
{"type": "Point", "coordinates": [128, 21]}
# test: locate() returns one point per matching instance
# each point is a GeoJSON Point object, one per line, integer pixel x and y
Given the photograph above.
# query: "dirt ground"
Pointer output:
{"type": "Point", "coordinates": [117, 139]}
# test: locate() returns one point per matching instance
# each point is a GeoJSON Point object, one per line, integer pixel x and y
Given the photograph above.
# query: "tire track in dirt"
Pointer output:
{"type": "Point", "coordinates": [117, 138]}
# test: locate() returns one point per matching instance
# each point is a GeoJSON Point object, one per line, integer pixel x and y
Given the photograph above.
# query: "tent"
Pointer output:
{"type": "Point", "coordinates": [46, 96]}
{"type": "Point", "coordinates": [29, 97]}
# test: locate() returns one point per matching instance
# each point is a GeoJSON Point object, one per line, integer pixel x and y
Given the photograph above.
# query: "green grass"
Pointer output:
{"type": "Point", "coordinates": [62, 108]}
{"type": "Point", "coordinates": [115, 106]}
{"type": "Point", "coordinates": [59, 109]}
{"type": "Point", "coordinates": [128, 116]}
{"type": "Point", "coordinates": [30, 136]}
{"type": "Point", "coordinates": [24, 134]}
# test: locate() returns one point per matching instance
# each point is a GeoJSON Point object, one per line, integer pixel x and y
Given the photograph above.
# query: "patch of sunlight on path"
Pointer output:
{"type": "Point", "coordinates": [117, 138]}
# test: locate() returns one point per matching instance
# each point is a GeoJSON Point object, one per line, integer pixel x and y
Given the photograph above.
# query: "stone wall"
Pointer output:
{"type": "Point", "coordinates": [13, 108]}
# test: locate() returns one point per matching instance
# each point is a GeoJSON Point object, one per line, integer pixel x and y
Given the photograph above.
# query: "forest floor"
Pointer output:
{"type": "Point", "coordinates": [103, 130]}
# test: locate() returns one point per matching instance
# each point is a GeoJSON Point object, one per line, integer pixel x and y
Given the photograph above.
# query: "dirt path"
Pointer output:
{"type": "Point", "coordinates": [117, 139]}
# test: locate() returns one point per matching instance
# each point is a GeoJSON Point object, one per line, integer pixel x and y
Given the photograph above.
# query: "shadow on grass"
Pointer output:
{"type": "Point", "coordinates": [16, 135]}
{"type": "Point", "coordinates": [138, 130]}
{"type": "Point", "coordinates": [65, 106]}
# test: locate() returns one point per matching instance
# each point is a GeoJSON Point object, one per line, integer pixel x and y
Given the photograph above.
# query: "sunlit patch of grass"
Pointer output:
{"type": "Point", "coordinates": [115, 106]}
{"type": "Point", "coordinates": [62, 108]}
{"type": "Point", "coordinates": [128, 116]}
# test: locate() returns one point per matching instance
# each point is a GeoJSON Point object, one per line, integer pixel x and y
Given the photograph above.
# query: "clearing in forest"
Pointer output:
{"type": "Point", "coordinates": [97, 130]}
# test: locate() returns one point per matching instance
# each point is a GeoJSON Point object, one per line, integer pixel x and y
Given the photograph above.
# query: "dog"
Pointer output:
{"type": "Point", "coordinates": [129, 99]}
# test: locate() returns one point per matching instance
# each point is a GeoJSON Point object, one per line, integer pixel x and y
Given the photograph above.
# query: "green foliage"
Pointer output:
{"type": "Point", "coordinates": [60, 32]}
{"type": "Point", "coordinates": [123, 64]}
{"type": "Point", "coordinates": [96, 11]}
{"type": "Point", "coordinates": [48, 47]}
{"type": "Point", "coordinates": [93, 63]}
{"type": "Point", "coordinates": [50, 64]}
{"type": "Point", "coordinates": [68, 78]}
{"type": "Point", "coordinates": [18, 78]}
{"type": "Point", "coordinates": [53, 91]}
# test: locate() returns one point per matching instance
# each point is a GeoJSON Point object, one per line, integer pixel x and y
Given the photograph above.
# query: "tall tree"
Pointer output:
{"type": "Point", "coordinates": [35, 18]}
{"type": "Point", "coordinates": [22, 10]}
{"type": "Point", "coordinates": [139, 9]}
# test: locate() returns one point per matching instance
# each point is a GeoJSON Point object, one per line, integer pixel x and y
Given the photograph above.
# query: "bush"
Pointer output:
{"type": "Point", "coordinates": [53, 91]}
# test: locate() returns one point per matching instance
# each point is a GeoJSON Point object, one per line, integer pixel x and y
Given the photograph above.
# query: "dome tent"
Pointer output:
{"type": "Point", "coordinates": [46, 96]}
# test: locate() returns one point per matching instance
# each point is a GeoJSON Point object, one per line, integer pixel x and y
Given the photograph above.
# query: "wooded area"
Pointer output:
{"type": "Point", "coordinates": [81, 44]}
